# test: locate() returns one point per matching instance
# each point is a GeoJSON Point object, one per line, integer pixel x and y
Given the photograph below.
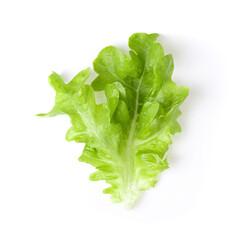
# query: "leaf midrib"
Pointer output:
{"type": "Point", "coordinates": [130, 142]}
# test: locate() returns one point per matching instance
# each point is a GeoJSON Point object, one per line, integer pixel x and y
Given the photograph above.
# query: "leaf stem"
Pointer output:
{"type": "Point", "coordinates": [131, 192]}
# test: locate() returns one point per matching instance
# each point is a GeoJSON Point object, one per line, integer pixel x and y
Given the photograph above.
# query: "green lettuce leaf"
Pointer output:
{"type": "Point", "coordinates": [126, 137]}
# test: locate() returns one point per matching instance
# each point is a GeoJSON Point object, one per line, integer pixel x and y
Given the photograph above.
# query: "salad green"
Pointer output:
{"type": "Point", "coordinates": [127, 137]}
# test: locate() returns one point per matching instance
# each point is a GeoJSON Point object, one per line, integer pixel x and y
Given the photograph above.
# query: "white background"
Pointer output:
{"type": "Point", "coordinates": [45, 192]}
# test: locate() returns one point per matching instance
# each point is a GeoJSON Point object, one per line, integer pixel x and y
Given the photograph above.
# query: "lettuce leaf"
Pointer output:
{"type": "Point", "coordinates": [126, 137]}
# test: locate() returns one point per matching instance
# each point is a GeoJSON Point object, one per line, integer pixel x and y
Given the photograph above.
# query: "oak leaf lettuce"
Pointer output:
{"type": "Point", "coordinates": [126, 137]}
